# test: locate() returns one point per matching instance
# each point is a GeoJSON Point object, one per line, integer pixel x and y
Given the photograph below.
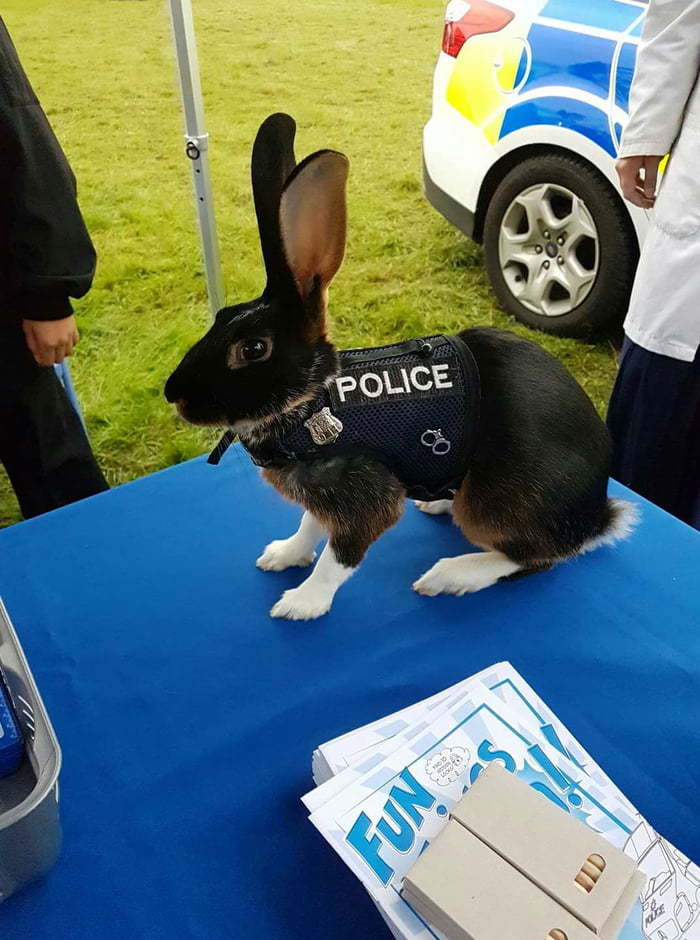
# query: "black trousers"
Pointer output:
{"type": "Point", "coordinates": [654, 419]}
{"type": "Point", "coordinates": [42, 442]}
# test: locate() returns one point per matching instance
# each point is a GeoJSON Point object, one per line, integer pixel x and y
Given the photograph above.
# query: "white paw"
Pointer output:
{"type": "Point", "coordinates": [463, 575]}
{"type": "Point", "coordinates": [283, 554]}
{"type": "Point", "coordinates": [436, 507]}
{"type": "Point", "coordinates": [302, 603]}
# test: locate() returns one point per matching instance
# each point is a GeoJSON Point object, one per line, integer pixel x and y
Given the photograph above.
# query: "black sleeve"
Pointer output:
{"type": "Point", "coordinates": [50, 255]}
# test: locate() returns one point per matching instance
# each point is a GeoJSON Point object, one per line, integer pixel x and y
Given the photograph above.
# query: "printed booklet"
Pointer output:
{"type": "Point", "coordinates": [385, 791]}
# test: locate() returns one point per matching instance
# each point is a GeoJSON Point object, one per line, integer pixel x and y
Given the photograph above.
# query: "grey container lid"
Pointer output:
{"type": "Point", "coordinates": [30, 831]}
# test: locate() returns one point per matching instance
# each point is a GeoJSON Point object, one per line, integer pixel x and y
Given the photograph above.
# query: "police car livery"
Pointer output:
{"type": "Point", "coordinates": [529, 103]}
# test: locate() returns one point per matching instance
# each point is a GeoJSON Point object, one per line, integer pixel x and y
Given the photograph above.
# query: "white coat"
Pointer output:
{"type": "Point", "coordinates": [664, 314]}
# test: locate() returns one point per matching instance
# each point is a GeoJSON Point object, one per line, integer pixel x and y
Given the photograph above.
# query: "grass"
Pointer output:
{"type": "Point", "coordinates": [357, 77]}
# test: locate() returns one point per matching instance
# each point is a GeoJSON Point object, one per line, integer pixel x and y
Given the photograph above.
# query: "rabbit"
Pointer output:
{"type": "Point", "coordinates": [533, 491]}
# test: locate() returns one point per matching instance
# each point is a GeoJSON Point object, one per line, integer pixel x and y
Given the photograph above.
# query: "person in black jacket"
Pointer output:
{"type": "Point", "coordinates": [46, 257]}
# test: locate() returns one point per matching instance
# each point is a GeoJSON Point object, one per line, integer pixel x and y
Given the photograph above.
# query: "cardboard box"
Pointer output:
{"type": "Point", "coordinates": [468, 892]}
{"type": "Point", "coordinates": [511, 863]}
{"type": "Point", "coordinates": [553, 849]}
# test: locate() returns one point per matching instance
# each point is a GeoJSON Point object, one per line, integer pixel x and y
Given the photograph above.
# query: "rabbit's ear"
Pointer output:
{"type": "Point", "coordinates": [313, 221]}
{"type": "Point", "coordinates": [272, 165]}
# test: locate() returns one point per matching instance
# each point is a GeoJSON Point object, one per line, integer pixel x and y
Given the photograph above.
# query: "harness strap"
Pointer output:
{"type": "Point", "coordinates": [215, 456]}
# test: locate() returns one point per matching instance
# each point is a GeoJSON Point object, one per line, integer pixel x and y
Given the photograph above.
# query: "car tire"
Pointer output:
{"type": "Point", "coordinates": [597, 273]}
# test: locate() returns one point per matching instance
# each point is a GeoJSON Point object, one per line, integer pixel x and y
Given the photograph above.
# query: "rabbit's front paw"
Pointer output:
{"type": "Point", "coordinates": [306, 602]}
{"type": "Point", "coordinates": [285, 553]}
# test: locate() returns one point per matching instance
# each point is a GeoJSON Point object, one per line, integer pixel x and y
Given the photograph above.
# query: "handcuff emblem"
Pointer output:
{"type": "Point", "coordinates": [436, 441]}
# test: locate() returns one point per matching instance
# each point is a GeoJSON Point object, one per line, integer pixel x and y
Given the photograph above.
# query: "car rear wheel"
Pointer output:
{"type": "Point", "coordinates": [560, 249]}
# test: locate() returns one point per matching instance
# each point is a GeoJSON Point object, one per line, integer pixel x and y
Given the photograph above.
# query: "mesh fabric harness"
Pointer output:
{"type": "Point", "coordinates": [411, 406]}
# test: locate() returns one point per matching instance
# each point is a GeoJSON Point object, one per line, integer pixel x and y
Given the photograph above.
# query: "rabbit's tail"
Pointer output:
{"type": "Point", "coordinates": [623, 517]}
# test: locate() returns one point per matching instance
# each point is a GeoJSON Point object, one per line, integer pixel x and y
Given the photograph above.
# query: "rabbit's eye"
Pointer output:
{"type": "Point", "coordinates": [253, 350]}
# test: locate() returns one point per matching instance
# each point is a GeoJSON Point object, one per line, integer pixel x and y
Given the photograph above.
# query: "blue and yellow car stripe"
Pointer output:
{"type": "Point", "coordinates": [477, 88]}
{"type": "Point", "coordinates": [570, 65]}
{"type": "Point", "coordinates": [613, 15]}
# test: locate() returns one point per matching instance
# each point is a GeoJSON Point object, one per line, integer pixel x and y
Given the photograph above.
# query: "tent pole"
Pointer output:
{"type": "Point", "coordinates": [197, 144]}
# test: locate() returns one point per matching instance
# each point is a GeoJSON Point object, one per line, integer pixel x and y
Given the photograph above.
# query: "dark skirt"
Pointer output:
{"type": "Point", "coordinates": [654, 418]}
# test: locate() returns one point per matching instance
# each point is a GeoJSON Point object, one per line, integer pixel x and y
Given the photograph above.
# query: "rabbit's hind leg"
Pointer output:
{"type": "Point", "coordinates": [506, 555]}
{"type": "Point", "coordinates": [466, 574]}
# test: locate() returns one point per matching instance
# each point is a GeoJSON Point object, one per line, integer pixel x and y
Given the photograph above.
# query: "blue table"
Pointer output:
{"type": "Point", "coordinates": [188, 717]}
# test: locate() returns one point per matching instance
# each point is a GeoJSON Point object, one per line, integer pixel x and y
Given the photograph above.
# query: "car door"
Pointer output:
{"type": "Point", "coordinates": [622, 72]}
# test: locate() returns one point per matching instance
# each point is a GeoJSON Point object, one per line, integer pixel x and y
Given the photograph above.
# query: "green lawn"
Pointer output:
{"type": "Point", "coordinates": [356, 76]}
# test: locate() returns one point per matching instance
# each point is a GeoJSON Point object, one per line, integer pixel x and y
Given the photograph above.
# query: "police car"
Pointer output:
{"type": "Point", "coordinates": [529, 102]}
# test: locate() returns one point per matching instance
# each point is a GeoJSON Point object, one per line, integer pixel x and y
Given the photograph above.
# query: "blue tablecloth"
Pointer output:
{"type": "Point", "coordinates": [187, 717]}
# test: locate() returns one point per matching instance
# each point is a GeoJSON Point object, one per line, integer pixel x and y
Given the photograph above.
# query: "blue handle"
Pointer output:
{"type": "Point", "coordinates": [63, 373]}
{"type": "Point", "coordinates": [11, 743]}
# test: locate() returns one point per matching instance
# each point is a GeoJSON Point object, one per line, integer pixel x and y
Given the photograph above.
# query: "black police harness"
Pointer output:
{"type": "Point", "coordinates": [411, 406]}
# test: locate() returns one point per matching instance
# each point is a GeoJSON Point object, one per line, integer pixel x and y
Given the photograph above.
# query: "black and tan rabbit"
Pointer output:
{"type": "Point", "coordinates": [483, 424]}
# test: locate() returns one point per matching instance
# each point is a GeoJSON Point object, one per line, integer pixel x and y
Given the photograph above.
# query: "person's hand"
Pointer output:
{"type": "Point", "coordinates": [50, 341]}
{"type": "Point", "coordinates": [638, 178]}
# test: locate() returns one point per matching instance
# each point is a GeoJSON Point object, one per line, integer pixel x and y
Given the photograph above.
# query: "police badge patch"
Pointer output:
{"type": "Point", "coordinates": [324, 427]}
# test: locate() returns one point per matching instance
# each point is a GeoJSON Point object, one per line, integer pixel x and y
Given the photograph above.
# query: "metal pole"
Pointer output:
{"type": "Point", "coordinates": [196, 145]}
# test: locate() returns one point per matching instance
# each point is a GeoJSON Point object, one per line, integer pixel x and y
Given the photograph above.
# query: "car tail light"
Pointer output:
{"type": "Point", "coordinates": [466, 19]}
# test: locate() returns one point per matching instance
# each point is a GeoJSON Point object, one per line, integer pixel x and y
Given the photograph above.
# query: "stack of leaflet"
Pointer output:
{"type": "Point", "coordinates": [387, 789]}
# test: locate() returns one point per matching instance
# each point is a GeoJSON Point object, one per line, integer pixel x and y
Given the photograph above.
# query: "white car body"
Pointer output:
{"type": "Point", "coordinates": [461, 160]}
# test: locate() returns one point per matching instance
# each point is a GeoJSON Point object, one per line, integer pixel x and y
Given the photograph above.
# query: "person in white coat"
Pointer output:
{"type": "Point", "coordinates": [654, 413]}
